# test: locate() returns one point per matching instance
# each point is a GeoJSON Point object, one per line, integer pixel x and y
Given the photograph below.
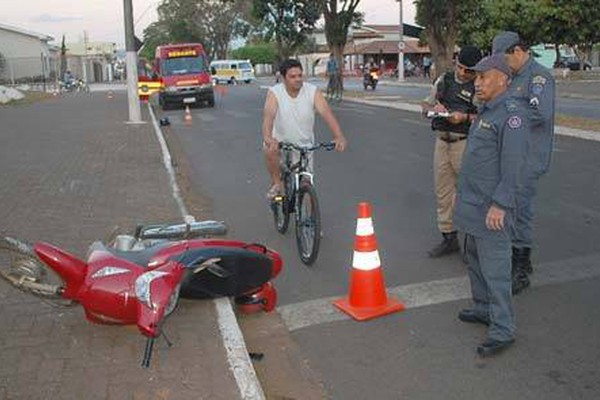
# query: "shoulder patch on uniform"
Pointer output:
{"type": "Point", "coordinates": [539, 79]}
{"type": "Point", "coordinates": [537, 88]}
{"type": "Point", "coordinates": [534, 102]}
{"type": "Point", "coordinates": [515, 122]}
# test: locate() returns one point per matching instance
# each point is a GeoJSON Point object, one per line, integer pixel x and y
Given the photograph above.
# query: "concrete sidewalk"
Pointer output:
{"type": "Point", "coordinates": [71, 171]}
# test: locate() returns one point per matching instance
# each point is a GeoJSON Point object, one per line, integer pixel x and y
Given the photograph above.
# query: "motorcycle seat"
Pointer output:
{"type": "Point", "coordinates": [139, 257]}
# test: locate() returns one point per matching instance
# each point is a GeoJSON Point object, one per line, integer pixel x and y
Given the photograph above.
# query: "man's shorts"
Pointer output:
{"type": "Point", "coordinates": [296, 157]}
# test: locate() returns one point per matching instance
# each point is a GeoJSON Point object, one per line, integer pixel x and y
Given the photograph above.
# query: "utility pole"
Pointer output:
{"type": "Point", "coordinates": [84, 64]}
{"type": "Point", "coordinates": [135, 116]}
{"type": "Point", "coordinates": [401, 47]}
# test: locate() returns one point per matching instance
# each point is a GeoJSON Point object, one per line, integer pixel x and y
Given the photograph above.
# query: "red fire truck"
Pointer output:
{"type": "Point", "coordinates": [184, 74]}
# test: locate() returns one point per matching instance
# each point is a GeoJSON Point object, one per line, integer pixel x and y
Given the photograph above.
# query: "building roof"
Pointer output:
{"type": "Point", "coordinates": [40, 36]}
{"type": "Point", "coordinates": [386, 47]}
{"type": "Point", "coordinates": [408, 30]}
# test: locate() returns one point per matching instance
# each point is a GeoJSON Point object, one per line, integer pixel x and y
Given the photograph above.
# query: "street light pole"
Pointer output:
{"type": "Point", "coordinates": [135, 116]}
{"type": "Point", "coordinates": [401, 47]}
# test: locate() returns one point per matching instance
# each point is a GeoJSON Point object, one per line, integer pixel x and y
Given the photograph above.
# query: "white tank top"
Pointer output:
{"type": "Point", "coordinates": [295, 119]}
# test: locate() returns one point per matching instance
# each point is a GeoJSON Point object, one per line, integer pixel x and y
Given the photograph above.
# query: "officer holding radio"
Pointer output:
{"type": "Point", "coordinates": [451, 106]}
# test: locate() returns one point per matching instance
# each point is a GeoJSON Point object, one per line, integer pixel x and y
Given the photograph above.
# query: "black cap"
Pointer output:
{"type": "Point", "coordinates": [469, 56]}
{"type": "Point", "coordinates": [495, 61]}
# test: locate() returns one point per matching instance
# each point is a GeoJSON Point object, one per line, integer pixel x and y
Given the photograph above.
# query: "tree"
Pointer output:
{"type": "Point", "coordinates": [575, 23]}
{"type": "Point", "coordinates": [258, 53]}
{"type": "Point", "coordinates": [337, 22]}
{"type": "Point", "coordinates": [476, 22]}
{"type": "Point", "coordinates": [441, 21]}
{"type": "Point", "coordinates": [580, 21]}
{"type": "Point", "coordinates": [63, 58]}
{"type": "Point", "coordinates": [214, 23]}
{"type": "Point", "coordinates": [287, 22]}
{"type": "Point", "coordinates": [480, 21]}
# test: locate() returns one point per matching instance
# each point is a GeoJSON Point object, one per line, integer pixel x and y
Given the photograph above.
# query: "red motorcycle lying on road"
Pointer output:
{"type": "Point", "coordinates": [138, 279]}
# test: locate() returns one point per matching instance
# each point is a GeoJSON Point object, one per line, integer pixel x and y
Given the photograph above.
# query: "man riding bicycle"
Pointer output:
{"type": "Point", "coordinates": [289, 116]}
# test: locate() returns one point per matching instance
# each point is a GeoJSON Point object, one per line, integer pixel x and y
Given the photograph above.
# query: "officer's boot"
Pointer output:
{"type": "Point", "coordinates": [448, 245]}
{"type": "Point", "coordinates": [525, 255]}
{"type": "Point", "coordinates": [521, 262]}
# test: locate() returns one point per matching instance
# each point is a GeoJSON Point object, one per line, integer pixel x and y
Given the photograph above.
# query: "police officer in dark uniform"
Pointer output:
{"type": "Point", "coordinates": [491, 170]}
{"type": "Point", "coordinates": [535, 85]}
{"type": "Point", "coordinates": [452, 94]}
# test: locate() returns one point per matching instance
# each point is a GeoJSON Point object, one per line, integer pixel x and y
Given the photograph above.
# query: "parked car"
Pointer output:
{"type": "Point", "coordinates": [573, 63]}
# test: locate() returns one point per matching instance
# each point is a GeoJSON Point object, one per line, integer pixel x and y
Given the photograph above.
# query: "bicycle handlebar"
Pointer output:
{"type": "Point", "coordinates": [290, 146]}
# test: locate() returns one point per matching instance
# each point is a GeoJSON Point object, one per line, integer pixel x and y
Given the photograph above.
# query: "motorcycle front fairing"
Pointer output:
{"type": "Point", "coordinates": [108, 292]}
{"type": "Point", "coordinates": [157, 292]}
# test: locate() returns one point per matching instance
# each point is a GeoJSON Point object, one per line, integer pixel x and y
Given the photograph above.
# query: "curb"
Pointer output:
{"type": "Point", "coordinates": [558, 129]}
{"type": "Point", "coordinates": [233, 340]}
{"type": "Point", "coordinates": [408, 84]}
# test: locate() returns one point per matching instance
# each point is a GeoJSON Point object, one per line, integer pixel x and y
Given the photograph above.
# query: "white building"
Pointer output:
{"type": "Point", "coordinates": [376, 42]}
{"type": "Point", "coordinates": [92, 61]}
{"type": "Point", "coordinates": [26, 55]}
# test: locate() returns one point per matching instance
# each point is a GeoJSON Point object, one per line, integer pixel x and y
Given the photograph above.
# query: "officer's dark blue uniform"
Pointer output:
{"type": "Point", "coordinates": [535, 85]}
{"type": "Point", "coordinates": [492, 168]}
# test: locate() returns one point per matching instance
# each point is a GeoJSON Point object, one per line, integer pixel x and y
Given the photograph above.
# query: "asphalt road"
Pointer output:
{"type": "Point", "coordinates": [424, 352]}
{"type": "Point", "coordinates": [565, 103]}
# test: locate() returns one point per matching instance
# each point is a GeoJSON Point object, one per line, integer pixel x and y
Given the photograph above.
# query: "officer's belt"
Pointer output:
{"type": "Point", "coordinates": [451, 137]}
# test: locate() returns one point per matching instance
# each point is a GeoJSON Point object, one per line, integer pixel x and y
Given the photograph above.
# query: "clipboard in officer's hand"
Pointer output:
{"type": "Point", "coordinates": [436, 114]}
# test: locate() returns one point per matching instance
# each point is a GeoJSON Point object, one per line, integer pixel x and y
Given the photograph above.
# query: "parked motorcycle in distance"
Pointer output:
{"type": "Point", "coordinates": [74, 85]}
{"type": "Point", "coordinates": [138, 279]}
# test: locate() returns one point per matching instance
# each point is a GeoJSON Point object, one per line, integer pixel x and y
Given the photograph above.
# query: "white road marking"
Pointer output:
{"type": "Point", "coordinates": [206, 117]}
{"type": "Point", "coordinates": [321, 311]}
{"type": "Point", "coordinates": [233, 340]}
{"type": "Point", "coordinates": [237, 114]}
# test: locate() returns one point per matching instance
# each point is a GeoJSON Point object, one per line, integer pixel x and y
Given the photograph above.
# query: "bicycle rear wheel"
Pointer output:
{"type": "Point", "coordinates": [21, 267]}
{"type": "Point", "coordinates": [308, 224]}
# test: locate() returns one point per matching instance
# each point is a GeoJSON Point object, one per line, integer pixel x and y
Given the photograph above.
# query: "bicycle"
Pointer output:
{"type": "Point", "coordinates": [299, 197]}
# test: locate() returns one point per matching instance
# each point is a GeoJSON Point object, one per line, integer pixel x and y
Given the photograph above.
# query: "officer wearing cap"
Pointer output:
{"type": "Point", "coordinates": [453, 94]}
{"type": "Point", "coordinates": [485, 204]}
{"type": "Point", "coordinates": [534, 84]}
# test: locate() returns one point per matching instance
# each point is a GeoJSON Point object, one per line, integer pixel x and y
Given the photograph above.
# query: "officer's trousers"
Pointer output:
{"type": "Point", "coordinates": [522, 230]}
{"type": "Point", "coordinates": [447, 158]}
{"type": "Point", "coordinates": [489, 269]}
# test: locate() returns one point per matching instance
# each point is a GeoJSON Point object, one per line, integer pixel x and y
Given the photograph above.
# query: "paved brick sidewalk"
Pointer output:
{"type": "Point", "coordinates": [71, 171]}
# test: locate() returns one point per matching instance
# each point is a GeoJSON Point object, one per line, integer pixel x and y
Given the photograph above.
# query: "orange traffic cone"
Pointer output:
{"type": "Point", "coordinates": [367, 298]}
{"type": "Point", "coordinates": [188, 115]}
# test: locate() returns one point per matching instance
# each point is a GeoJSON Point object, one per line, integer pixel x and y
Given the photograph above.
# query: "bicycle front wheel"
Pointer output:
{"type": "Point", "coordinates": [308, 224]}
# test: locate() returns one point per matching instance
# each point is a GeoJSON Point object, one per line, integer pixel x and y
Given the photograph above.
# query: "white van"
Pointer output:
{"type": "Point", "coordinates": [232, 71]}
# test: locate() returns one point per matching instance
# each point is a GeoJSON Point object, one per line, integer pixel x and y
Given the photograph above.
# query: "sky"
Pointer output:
{"type": "Point", "coordinates": [103, 19]}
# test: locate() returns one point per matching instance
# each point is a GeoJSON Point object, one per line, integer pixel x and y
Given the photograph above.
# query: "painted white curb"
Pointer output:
{"type": "Point", "coordinates": [233, 340]}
